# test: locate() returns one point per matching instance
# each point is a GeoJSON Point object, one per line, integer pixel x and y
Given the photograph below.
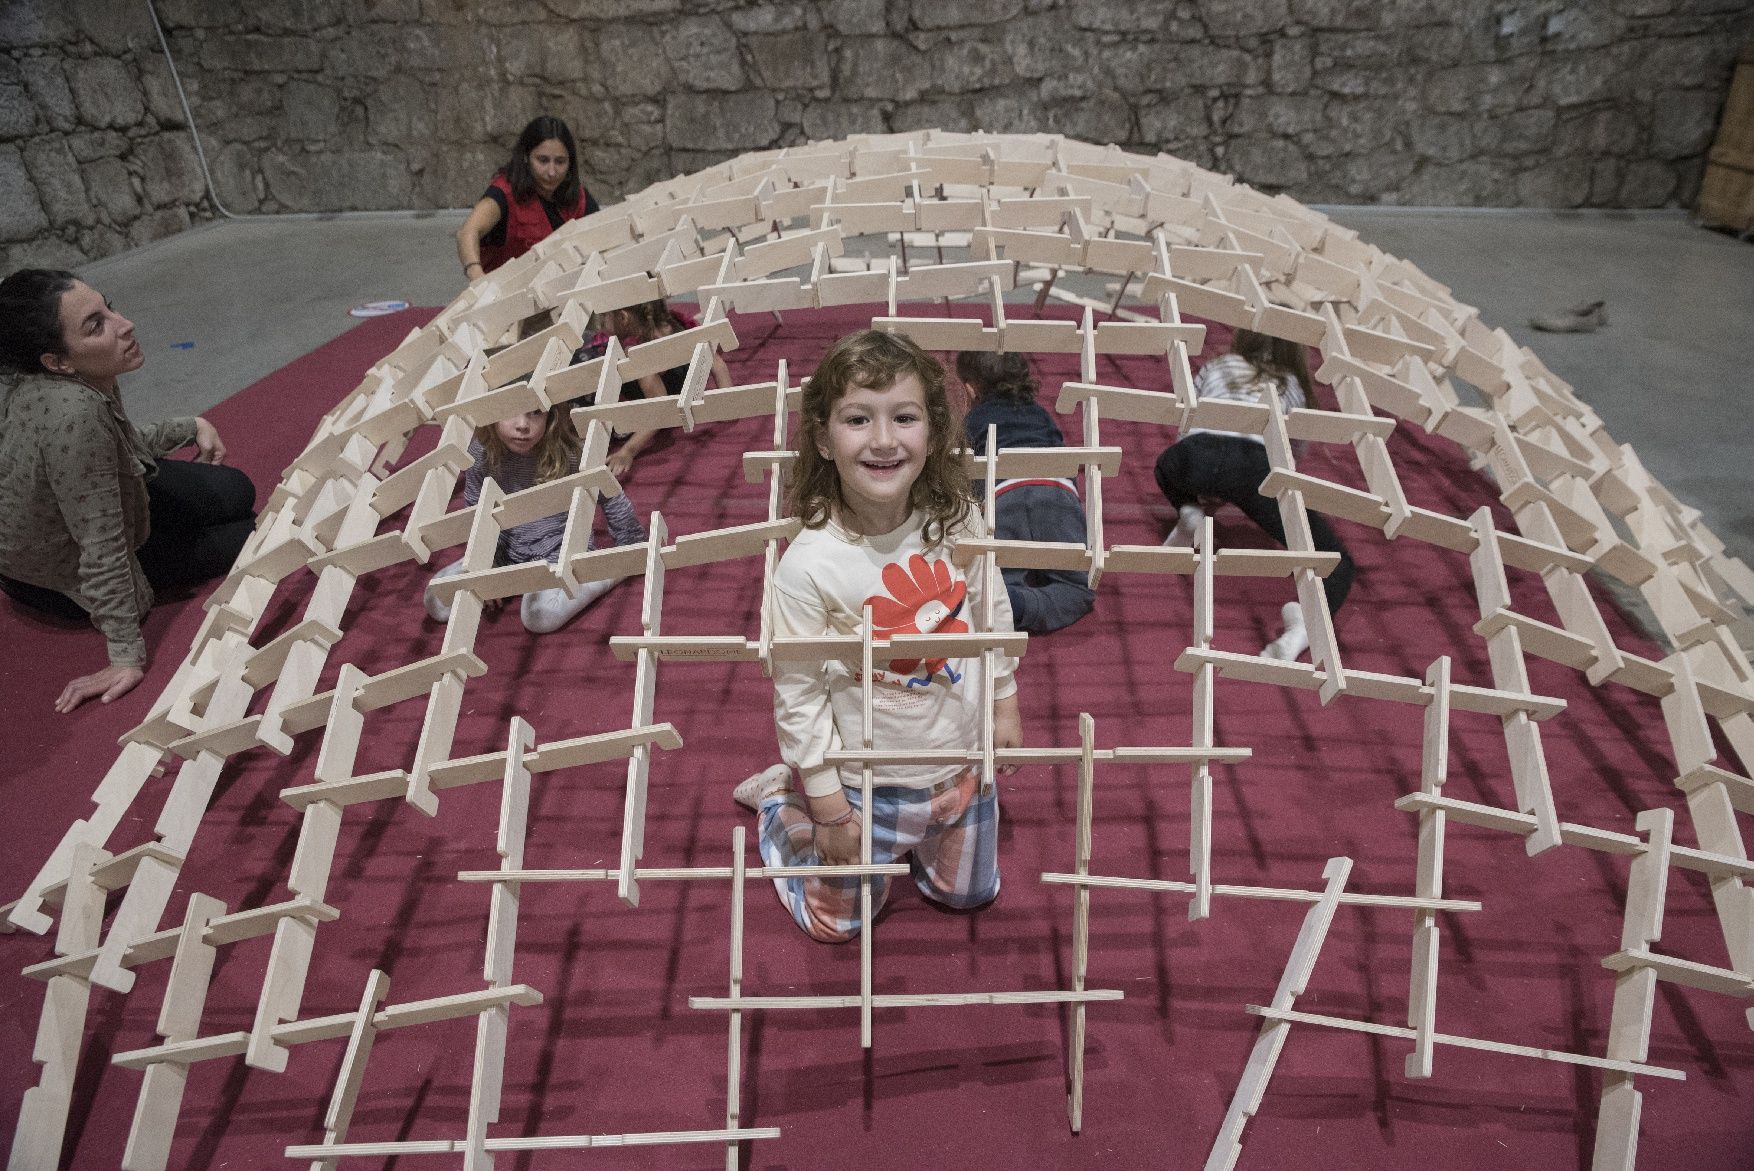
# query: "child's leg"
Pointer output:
{"type": "Point", "coordinates": [1057, 598]}
{"type": "Point", "coordinates": [545, 611]}
{"type": "Point", "coordinates": [957, 861]}
{"type": "Point", "coordinates": [828, 908]}
{"type": "Point", "coordinates": [438, 610]}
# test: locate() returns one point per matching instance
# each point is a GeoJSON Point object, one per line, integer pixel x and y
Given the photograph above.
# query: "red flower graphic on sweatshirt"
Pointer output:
{"type": "Point", "coordinates": [924, 596]}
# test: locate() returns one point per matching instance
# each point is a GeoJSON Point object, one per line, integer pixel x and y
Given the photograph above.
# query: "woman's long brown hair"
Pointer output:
{"type": "Point", "coordinates": [556, 453]}
{"type": "Point", "coordinates": [871, 359]}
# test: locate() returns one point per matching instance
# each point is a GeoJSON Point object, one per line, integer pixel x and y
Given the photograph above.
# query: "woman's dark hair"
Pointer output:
{"type": "Point", "coordinates": [651, 319]}
{"type": "Point", "coordinates": [30, 317]}
{"type": "Point", "coordinates": [876, 360]}
{"type": "Point", "coordinates": [1275, 357]}
{"type": "Point", "coordinates": [1001, 376]}
{"type": "Point", "coordinates": [517, 172]}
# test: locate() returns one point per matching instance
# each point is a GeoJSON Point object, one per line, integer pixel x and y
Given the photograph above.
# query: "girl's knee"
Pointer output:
{"type": "Point", "coordinates": [538, 618]}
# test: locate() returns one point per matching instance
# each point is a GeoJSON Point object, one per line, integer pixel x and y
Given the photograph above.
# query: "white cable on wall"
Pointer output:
{"type": "Point", "coordinates": [188, 115]}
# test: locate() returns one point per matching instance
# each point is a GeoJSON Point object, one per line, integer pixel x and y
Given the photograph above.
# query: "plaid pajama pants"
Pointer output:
{"type": "Point", "coordinates": [949, 835]}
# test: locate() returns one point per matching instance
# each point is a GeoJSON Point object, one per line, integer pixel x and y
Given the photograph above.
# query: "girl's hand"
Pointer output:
{"type": "Point", "coordinates": [209, 446]}
{"type": "Point", "coordinates": [1007, 729]}
{"type": "Point", "coordinates": [107, 684]}
{"type": "Point", "coordinates": [838, 845]}
{"type": "Point", "coordinates": [619, 462]}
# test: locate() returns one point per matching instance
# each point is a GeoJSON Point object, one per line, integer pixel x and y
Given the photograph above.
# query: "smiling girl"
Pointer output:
{"type": "Point", "coordinates": [884, 501]}
{"type": "Point", "coordinates": [518, 453]}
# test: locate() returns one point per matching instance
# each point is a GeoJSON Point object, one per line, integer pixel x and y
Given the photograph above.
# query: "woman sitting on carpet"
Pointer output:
{"type": "Point", "coordinates": [1003, 388]}
{"type": "Point", "coordinates": [1230, 466]}
{"type": "Point", "coordinates": [635, 326]}
{"type": "Point", "coordinates": [533, 194]}
{"type": "Point", "coordinates": [518, 453]}
{"type": "Point", "coordinates": [93, 519]}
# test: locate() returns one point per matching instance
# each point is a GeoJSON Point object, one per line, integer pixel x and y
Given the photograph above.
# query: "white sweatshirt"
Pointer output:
{"type": "Point", "coordinates": [821, 587]}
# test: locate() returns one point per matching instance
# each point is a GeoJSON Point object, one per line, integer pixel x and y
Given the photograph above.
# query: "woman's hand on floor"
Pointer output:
{"type": "Point", "coordinates": [208, 445]}
{"type": "Point", "coordinates": [107, 684]}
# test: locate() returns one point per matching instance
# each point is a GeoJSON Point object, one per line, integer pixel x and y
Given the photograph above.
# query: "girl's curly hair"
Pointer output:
{"type": "Point", "coordinates": [871, 359]}
{"type": "Point", "coordinates": [556, 453]}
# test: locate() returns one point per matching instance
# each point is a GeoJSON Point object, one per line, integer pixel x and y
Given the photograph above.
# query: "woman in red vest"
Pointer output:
{"type": "Point", "coordinates": [533, 194]}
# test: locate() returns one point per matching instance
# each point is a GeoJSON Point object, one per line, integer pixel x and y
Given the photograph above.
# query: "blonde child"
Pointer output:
{"type": "Point", "coordinates": [1229, 466]}
{"type": "Point", "coordinates": [884, 502]}
{"type": "Point", "coordinates": [518, 453]}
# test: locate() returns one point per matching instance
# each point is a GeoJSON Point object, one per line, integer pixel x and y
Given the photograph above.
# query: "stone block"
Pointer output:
{"type": "Point", "coordinates": [1470, 183]}
{"type": "Point", "coordinates": [1176, 124]}
{"type": "Point", "coordinates": [1575, 79]}
{"type": "Point", "coordinates": [1339, 14]}
{"type": "Point", "coordinates": [388, 11]}
{"type": "Point", "coordinates": [880, 69]}
{"type": "Point", "coordinates": [825, 120]}
{"type": "Point", "coordinates": [258, 54]}
{"type": "Point", "coordinates": [112, 190]}
{"type": "Point", "coordinates": [1268, 163]}
{"type": "Point", "coordinates": [1038, 46]}
{"type": "Point", "coordinates": [47, 86]}
{"type": "Point", "coordinates": [771, 18]}
{"type": "Point", "coordinates": [794, 60]}
{"type": "Point", "coordinates": [1605, 177]}
{"type": "Point", "coordinates": [1492, 87]}
{"type": "Point", "coordinates": [197, 13]}
{"type": "Point", "coordinates": [157, 225]}
{"type": "Point", "coordinates": [1556, 182]}
{"type": "Point", "coordinates": [18, 114]}
{"type": "Point", "coordinates": [1291, 65]}
{"type": "Point", "coordinates": [1648, 183]}
{"type": "Point", "coordinates": [1520, 133]}
{"type": "Point", "coordinates": [1581, 26]}
{"type": "Point", "coordinates": [1015, 110]}
{"type": "Point", "coordinates": [857, 17]}
{"type": "Point", "coordinates": [1443, 138]}
{"type": "Point", "coordinates": [21, 212]}
{"type": "Point", "coordinates": [310, 110]}
{"type": "Point", "coordinates": [1286, 116]}
{"type": "Point", "coordinates": [703, 52]}
{"type": "Point", "coordinates": [101, 240]}
{"type": "Point", "coordinates": [1060, 87]}
{"type": "Point", "coordinates": [114, 26]}
{"type": "Point", "coordinates": [380, 50]}
{"type": "Point", "coordinates": [1360, 125]}
{"type": "Point", "coordinates": [1128, 17]}
{"type": "Point", "coordinates": [604, 10]}
{"type": "Point", "coordinates": [1243, 18]}
{"type": "Point", "coordinates": [457, 177]}
{"type": "Point", "coordinates": [956, 67]}
{"type": "Point", "coordinates": [169, 169]}
{"type": "Point", "coordinates": [160, 91]}
{"type": "Point", "coordinates": [350, 180]}
{"type": "Point", "coordinates": [26, 24]}
{"type": "Point", "coordinates": [720, 122]}
{"type": "Point", "coordinates": [1103, 118]}
{"type": "Point", "coordinates": [932, 14]}
{"type": "Point", "coordinates": [106, 94]}
{"type": "Point", "coordinates": [42, 252]}
{"type": "Point", "coordinates": [1206, 66]}
{"type": "Point", "coordinates": [534, 53]}
{"type": "Point", "coordinates": [96, 144]}
{"type": "Point", "coordinates": [1358, 81]}
{"type": "Point", "coordinates": [1683, 122]}
{"type": "Point", "coordinates": [954, 114]}
{"type": "Point", "coordinates": [56, 174]}
{"type": "Point", "coordinates": [633, 62]}
{"type": "Point", "coordinates": [237, 178]}
{"type": "Point", "coordinates": [298, 16]}
{"type": "Point", "coordinates": [1370, 177]}
{"type": "Point", "coordinates": [400, 113]}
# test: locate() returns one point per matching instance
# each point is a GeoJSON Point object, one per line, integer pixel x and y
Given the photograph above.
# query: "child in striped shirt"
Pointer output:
{"type": "Point", "coordinates": [518, 453]}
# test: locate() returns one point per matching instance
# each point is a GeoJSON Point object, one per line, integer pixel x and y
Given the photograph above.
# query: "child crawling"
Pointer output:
{"type": "Point", "coordinates": [884, 502]}
{"type": "Point", "coordinates": [518, 453]}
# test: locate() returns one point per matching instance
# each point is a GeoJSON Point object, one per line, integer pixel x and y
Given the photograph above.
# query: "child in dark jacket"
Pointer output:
{"type": "Point", "coordinates": [1003, 389]}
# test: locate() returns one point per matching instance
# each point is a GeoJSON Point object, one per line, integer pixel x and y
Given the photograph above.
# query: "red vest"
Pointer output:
{"type": "Point", "coordinates": [526, 223]}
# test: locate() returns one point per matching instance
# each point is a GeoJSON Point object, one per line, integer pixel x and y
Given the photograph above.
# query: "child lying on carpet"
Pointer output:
{"type": "Point", "coordinates": [1003, 388]}
{"type": "Point", "coordinates": [518, 453]}
{"type": "Point", "coordinates": [884, 500]}
{"type": "Point", "coordinates": [1229, 466]}
{"type": "Point", "coordinates": [636, 325]}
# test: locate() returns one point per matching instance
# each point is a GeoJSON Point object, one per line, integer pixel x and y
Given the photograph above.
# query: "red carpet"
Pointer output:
{"type": "Point", "coordinates": [615, 1048]}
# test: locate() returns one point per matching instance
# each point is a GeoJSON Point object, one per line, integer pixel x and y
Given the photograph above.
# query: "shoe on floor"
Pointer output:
{"type": "Point", "coordinates": [752, 791]}
{"type": "Point", "coordinates": [1186, 533]}
{"type": "Point", "coordinates": [1585, 318]}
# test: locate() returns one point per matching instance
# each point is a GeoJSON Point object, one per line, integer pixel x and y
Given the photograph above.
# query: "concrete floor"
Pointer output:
{"type": "Point", "coordinates": [253, 294]}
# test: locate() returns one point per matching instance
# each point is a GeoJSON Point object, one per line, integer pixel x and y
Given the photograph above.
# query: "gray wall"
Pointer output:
{"type": "Point", "coordinates": [321, 105]}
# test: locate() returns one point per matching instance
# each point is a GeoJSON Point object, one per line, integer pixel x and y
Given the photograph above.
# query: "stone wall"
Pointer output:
{"type": "Point", "coordinates": [95, 154]}
{"type": "Point", "coordinates": [320, 105]}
